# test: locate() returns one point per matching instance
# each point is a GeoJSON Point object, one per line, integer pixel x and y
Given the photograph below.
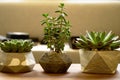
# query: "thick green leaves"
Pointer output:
{"type": "Point", "coordinates": [15, 45]}
{"type": "Point", "coordinates": [99, 41]}
{"type": "Point", "coordinates": [108, 37]}
{"type": "Point", "coordinates": [57, 29]}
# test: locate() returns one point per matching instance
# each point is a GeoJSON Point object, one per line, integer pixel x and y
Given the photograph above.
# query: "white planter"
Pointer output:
{"type": "Point", "coordinates": [16, 62]}
{"type": "Point", "coordinates": [99, 61]}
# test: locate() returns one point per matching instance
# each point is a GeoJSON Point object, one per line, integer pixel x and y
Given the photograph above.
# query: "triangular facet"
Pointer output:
{"type": "Point", "coordinates": [6, 69]}
{"type": "Point", "coordinates": [85, 57]}
{"type": "Point", "coordinates": [109, 59]}
{"type": "Point", "coordinates": [97, 65]}
{"type": "Point", "coordinates": [16, 68]}
{"type": "Point", "coordinates": [26, 68]}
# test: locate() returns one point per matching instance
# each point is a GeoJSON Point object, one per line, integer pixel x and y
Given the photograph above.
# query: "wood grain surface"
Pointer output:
{"type": "Point", "coordinates": [74, 73]}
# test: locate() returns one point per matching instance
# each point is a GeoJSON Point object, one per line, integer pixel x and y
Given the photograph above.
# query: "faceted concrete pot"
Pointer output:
{"type": "Point", "coordinates": [16, 62]}
{"type": "Point", "coordinates": [55, 62]}
{"type": "Point", "coordinates": [99, 61]}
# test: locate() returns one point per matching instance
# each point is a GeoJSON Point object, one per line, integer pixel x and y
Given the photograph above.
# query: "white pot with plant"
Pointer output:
{"type": "Point", "coordinates": [98, 52]}
{"type": "Point", "coordinates": [16, 56]}
{"type": "Point", "coordinates": [56, 33]}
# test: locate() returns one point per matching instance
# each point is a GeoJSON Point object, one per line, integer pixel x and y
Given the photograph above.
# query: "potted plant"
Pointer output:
{"type": "Point", "coordinates": [98, 52]}
{"type": "Point", "coordinates": [16, 56]}
{"type": "Point", "coordinates": [56, 33]}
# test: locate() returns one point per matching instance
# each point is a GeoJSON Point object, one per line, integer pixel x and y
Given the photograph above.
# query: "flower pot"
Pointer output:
{"type": "Point", "coordinates": [53, 62]}
{"type": "Point", "coordinates": [99, 61]}
{"type": "Point", "coordinates": [16, 62]}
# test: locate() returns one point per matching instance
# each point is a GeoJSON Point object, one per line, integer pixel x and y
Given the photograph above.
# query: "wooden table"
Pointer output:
{"type": "Point", "coordinates": [74, 73]}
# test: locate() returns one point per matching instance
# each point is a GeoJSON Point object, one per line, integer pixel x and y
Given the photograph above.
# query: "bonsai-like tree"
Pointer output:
{"type": "Point", "coordinates": [57, 30]}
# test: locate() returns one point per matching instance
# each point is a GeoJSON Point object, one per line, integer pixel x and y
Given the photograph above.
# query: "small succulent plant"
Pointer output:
{"type": "Point", "coordinates": [98, 41]}
{"type": "Point", "coordinates": [17, 46]}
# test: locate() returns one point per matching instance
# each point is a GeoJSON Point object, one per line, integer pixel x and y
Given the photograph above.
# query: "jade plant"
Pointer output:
{"type": "Point", "coordinates": [17, 46]}
{"type": "Point", "coordinates": [98, 41]}
{"type": "Point", "coordinates": [56, 30]}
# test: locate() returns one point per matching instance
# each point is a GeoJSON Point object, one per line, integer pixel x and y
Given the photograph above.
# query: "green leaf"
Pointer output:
{"type": "Point", "coordinates": [115, 44]}
{"type": "Point", "coordinates": [45, 15]}
{"type": "Point", "coordinates": [102, 36]}
{"type": "Point", "coordinates": [65, 14]}
{"type": "Point", "coordinates": [83, 39]}
{"type": "Point", "coordinates": [109, 36]}
{"type": "Point", "coordinates": [91, 36]}
{"type": "Point", "coordinates": [61, 5]}
{"type": "Point", "coordinates": [43, 23]}
{"type": "Point", "coordinates": [115, 38]}
{"type": "Point", "coordinates": [57, 11]}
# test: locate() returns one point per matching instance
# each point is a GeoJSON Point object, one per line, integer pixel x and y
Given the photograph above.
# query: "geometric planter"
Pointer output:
{"type": "Point", "coordinates": [99, 61]}
{"type": "Point", "coordinates": [53, 62]}
{"type": "Point", "coordinates": [16, 62]}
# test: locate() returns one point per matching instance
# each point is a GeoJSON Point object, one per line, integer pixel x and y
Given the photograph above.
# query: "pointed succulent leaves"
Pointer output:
{"type": "Point", "coordinates": [99, 41]}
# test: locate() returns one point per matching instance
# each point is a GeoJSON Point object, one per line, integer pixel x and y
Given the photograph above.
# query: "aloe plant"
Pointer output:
{"type": "Point", "coordinates": [17, 46]}
{"type": "Point", "coordinates": [98, 41]}
{"type": "Point", "coordinates": [57, 29]}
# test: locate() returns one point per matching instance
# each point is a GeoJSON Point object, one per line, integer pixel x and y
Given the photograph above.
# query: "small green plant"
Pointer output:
{"type": "Point", "coordinates": [57, 29]}
{"type": "Point", "coordinates": [98, 41]}
{"type": "Point", "coordinates": [17, 46]}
